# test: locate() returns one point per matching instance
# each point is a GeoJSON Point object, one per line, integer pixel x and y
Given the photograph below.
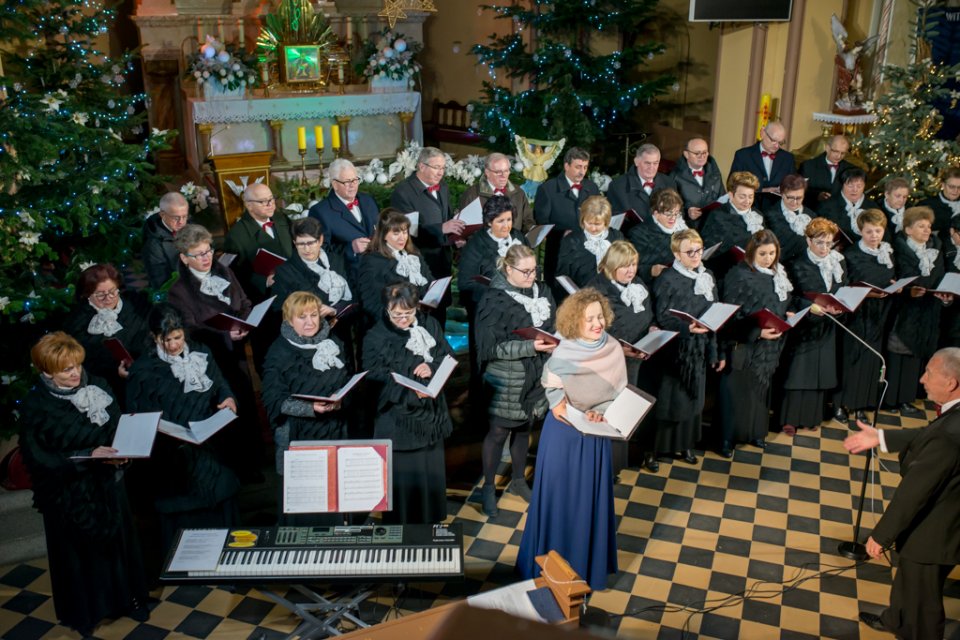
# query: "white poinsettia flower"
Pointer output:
{"type": "Point", "coordinates": [80, 118]}
{"type": "Point", "coordinates": [158, 132]}
{"type": "Point", "coordinates": [53, 104]}
{"type": "Point", "coordinates": [151, 212]}
{"type": "Point", "coordinates": [4, 301]}
{"type": "Point", "coordinates": [86, 265]}
{"type": "Point", "coordinates": [29, 238]}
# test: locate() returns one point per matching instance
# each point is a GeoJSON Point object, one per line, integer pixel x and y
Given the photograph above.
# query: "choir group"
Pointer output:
{"type": "Point", "coordinates": [348, 298]}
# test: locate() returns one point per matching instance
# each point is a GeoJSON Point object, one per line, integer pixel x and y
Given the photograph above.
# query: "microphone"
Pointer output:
{"type": "Point", "coordinates": [853, 549]}
{"type": "Point", "coordinates": [820, 311]}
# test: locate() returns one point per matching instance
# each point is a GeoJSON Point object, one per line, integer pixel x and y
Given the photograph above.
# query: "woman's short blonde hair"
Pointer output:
{"type": "Point", "coordinates": [914, 214]}
{"type": "Point", "coordinates": [596, 208]}
{"type": "Point", "coordinates": [55, 352]}
{"type": "Point", "coordinates": [298, 302]}
{"type": "Point", "coordinates": [742, 179]}
{"type": "Point", "coordinates": [871, 216]}
{"type": "Point", "coordinates": [821, 227]}
{"type": "Point", "coordinates": [620, 254]}
{"type": "Point", "coordinates": [687, 234]}
{"type": "Point", "coordinates": [514, 255]}
{"type": "Point", "coordinates": [572, 310]}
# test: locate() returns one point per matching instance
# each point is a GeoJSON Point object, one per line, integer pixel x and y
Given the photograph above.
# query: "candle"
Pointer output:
{"type": "Point", "coordinates": [220, 30]}
{"type": "Point", "coordinates": [302, 138]}
{"type": "Point", "coordinates": [265, 73]}
{"type": "Point", "coordinates": [199, 33]}
{"type": "Point", "coordinates": [318, 134]}
{"type": "Point", "coordinates": [340, 73]}
{"type": "Point", "coordinates": [349, 32]}
{"type": "Point", "coordinates": [240, 30]}
{"type": "Point", "coordinates": [335, 136]}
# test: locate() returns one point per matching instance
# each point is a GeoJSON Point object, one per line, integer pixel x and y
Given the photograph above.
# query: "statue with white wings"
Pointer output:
{"type": "Point", "coordinates": [537, 156]}
{"type": "Point", "coordinates": [849, 74]}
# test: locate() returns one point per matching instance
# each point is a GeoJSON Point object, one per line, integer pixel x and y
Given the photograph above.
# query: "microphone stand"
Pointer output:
{"type": "Point", "coordinates": [853, 549]}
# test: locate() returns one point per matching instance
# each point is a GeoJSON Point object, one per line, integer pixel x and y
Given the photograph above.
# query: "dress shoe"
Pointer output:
{"type": "Point", "coordinates": [841, 415]}
{"type": "Point", "coordinates": [520, 488]}
{"type": "Point", "coordinates": [688, 457]}
{"type": "Point", "coordinates": [490, 500]}
{"type": "Point", "coordinates": [907, 410]}
{"type": "Point", "coordinates": [759, 443]}
{"type": "Point", "coordinates": [650, 463]}
{"type": "Point", "coordinates": [726, 449]}
{"type": "Point", "coordinates": [862, 416]}
{"type": "Point", "coordinates": [873, 621]}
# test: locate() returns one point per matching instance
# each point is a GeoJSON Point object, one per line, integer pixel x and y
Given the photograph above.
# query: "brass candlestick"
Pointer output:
{"type": "Point", "coordinates": [303, 167]}
{"type": "Point", "coordinates": [336, 152]}
{"type": "Point", "coordinates": [319, 166]}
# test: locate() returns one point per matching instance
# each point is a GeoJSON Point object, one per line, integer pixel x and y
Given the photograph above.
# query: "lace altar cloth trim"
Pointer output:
{"type": "Point", "coordinates": [302, 107]}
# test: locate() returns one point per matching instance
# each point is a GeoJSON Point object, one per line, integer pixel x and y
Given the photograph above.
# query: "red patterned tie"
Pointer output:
{"type": "Point", "coordinates": [648, 185]}
{"type": "Point", "coordinates": [939, 410]}
{"type": "Point", "coordinates": [433, 189]}
{"type": "Point", "coordinates": [767, 154]}
{"type": "Point", "coordinates": [268, 225]}
{"type": "Point", "coordinates": [501, 192]}
{"type": "Point", "coordinates": [355, 203]}
{"type": "Point", "coordinates": [698, 174]}
{"type": "Point", "coordinates": [575, 186]}
{"type": "Point", "coordinates": [832, 165]}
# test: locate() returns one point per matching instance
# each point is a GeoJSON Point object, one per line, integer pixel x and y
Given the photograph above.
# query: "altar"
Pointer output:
{"type": "Point", "coordinates": [372, 125]}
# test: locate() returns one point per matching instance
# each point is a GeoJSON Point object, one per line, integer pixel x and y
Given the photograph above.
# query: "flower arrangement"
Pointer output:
{"type": "Point", "coordinates": [217, 62]}
{"type": "Point", "coordinates": [390, 55]}
{"type": "Point", "coordinates": [198, 196]}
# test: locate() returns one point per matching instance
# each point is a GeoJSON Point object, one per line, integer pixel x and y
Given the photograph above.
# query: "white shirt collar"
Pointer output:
{"type": "Point", "coordinates": [946, 406]}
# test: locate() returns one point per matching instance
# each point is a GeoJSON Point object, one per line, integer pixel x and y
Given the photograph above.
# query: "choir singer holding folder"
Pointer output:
{"type": "Point", "coordinates": [306, 359]}
{"type": "Point", "coordinates": [571, 510]}
{"type": "Point", "coordinates": [413, 345]}
{"type": "Point", "coordinates": [92, 547]}
{"type": "Point", "coordinates": [690, 287]}
{"type": "Point", "coordinates": [182, 380]}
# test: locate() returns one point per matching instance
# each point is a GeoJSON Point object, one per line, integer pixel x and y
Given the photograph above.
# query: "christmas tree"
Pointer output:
{"type": "Point", "coordinates": [573, 92]}
{"type": "Point", "coordinates": [75, 174]}
{"type": "Point", "coordinates": [903, 141]}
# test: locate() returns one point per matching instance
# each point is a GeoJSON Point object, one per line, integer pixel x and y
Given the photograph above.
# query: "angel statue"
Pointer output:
{"type": "Point", "coordinates": [537, 156]}
{"type": "Point", "coordinates": [849, 75]}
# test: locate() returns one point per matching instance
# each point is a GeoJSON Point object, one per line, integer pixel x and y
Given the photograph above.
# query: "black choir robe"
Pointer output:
{"type": "Point", "coordinates": [576, 262]}
{"type": "Point", "coordinates": [377, 272]}
{"type": "Point", "coordinates": [653, 245]}
{"type": "Point", "coordinates": [792, 244]}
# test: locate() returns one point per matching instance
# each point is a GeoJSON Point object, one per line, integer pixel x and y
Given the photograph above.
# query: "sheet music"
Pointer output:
{"type": "Point", "coordinates": [509, 599]}
{"type": "Point", "coordinates": [360, 479]}
{"type": "Point", "coordinates": [198, 550]}
{"type": "Point", "coordinates": [435, 292]}
{"type": "Point", "coordinates": [718, 313]}
{"type": "Point", "coordinates": [305, 473]}
{"type": "Point", "coordinates": [177, 431]}
{"type": "Point", "coordinates": [338, 395]}
{"type": "Point", "coordinates": [797, 317]}
{"type": "Point", "coordinates": [708, 253]}
{"type": "Point", "coordinates": [617, 221]}
{"type": "Point", "coordinates": [414, 218]}
{"type": "Point", "coordinates": [568, 284]}
{"type": "Point", "coordinates": [257, 313]}
{"type": "Point", "coordinates": [472, 214]}
{"type": "Point", "coordinates": [135, 434]}
{"type": "Point", "coordinates": [537, 234]}
{"type": "Point", "coordinates": [851, 297]}
{"type": "Point", "coordinates": [620, 417]}
{"type": "Point", "coordinates": [437, 381]}
{"type": "Point", "coordinates": [653, 341]}
{"type": "Point", "coordinates": [203, 429]}
{"type": "Point", "coordinates": [949, 284]}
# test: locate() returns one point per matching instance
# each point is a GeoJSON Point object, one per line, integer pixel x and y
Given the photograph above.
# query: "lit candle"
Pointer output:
{"type": "Point", "coordinates": [302, 138]}
{"type": "Point", "coordinates": [318, 134]}
{"type": "Point", "coordinates": [349, 32]}
{"type": "Point", "coordinates": [335, 136]}
{"type": "Point", "coordinates": [240, 30]}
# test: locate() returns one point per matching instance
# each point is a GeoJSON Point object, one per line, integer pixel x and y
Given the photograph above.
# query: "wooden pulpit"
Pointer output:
{"type": "Point", "coordinates": [234, 167]}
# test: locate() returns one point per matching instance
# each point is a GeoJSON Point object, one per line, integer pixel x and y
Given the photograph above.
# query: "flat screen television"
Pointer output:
{"type": "Point", "coordinates": [740, 10]}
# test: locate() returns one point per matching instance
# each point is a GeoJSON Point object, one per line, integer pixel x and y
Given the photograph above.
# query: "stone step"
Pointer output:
{"type": "Point", "coordinates": [22, 536]}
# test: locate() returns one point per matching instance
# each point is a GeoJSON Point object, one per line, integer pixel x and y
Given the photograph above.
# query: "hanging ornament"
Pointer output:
{"type": "Point", "coordinates": [394, 10]}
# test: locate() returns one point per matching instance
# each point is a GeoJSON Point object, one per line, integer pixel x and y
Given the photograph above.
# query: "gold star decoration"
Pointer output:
{"type": "Point", "coordinates": [394, 10]}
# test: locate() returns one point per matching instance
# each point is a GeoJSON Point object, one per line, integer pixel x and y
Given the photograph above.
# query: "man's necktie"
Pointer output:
{"type": "Point", "coordinates": [648, 185]}
{"type": "Point", "coordinates": [434, 188]}
{"type": "Point", "coordinates": [767, 154]}
{"type": "Point", "coordinates": [355, 203]}
{"type": "Point", "coordinates": [698, 174]}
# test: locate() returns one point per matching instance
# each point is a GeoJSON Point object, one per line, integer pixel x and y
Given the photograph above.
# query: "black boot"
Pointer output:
{"type": "Point", "coordinates": [490, 500]}
{"type": "Point", "coordinates": [650, 462]}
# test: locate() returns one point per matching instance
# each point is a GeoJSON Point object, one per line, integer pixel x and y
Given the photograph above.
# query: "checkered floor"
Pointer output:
{"type": "Point", "coordinates": [691, 539]}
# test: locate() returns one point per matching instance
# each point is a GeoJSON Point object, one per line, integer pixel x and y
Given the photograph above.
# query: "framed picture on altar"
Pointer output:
{"type": "Point", "coordinates": [300, 63]}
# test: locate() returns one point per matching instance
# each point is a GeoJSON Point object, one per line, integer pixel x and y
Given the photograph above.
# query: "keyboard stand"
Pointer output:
{"type": "Point", "coordinates": [320, 616]}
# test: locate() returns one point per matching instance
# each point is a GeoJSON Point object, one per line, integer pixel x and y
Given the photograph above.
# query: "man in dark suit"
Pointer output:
{"type": "Point", "coordinates": [823, 170]}
{"type": "Point", "coordinates": [496, 181]}
{"type": "Point", "coordinates": [632, 190]}
{"type": "Point", "coordinates": [426, 192]}
{"type": "Point", "coordinates": [922, 521]}
{"type": "Point", "coordinates": [347, 215]}
{"type": "Point", "coordinates": [698, 179]}
{"type": "Point", "coordinates": [946, 204]}
{"type": "Point", "coordinates": [160, 258]}
{"type": "Point", "coordinates": [768, 161]}
{"type": "Point", "coordinates": [260, 227]}
{"type": "Point", "coordinates": [558, 202]}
